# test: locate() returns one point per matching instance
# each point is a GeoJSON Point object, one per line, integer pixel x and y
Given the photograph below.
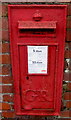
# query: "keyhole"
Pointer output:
{"type": "Point", "coordinates": [27, 77]}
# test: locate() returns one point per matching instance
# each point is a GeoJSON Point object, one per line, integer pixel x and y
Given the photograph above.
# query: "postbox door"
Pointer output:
{"type": "Point", "coordinates": [38, 88]}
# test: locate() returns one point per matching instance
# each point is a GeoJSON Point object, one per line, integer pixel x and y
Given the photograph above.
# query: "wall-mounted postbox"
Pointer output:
{"type": "Point", "coordinates": [37, 35]}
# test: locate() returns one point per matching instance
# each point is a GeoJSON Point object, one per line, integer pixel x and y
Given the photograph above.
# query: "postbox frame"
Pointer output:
{"type": "Point", "coordinates": [16, 73]}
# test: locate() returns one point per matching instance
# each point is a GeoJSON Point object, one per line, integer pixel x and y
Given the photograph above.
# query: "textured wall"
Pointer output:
{"type": "Point", "coordinates": [6, 79]}
{"type": "Point", "coordinates": [36, 1]}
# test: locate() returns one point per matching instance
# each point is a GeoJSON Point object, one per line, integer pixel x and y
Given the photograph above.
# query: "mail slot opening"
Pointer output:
{"type": "Point", "coordinates": [31, 28]}
{"type": "Point", "coordinates": [37, 32]}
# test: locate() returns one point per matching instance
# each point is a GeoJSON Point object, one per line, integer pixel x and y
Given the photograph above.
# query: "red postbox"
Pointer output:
{"type": "Point", "coordinates": [37, 37]}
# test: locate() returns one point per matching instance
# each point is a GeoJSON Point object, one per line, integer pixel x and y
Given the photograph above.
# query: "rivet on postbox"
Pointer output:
{"type": "Point", "coordinates": [27, 107]}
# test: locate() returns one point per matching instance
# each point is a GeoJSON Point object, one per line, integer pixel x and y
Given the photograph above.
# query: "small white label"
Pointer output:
{"type": "Point", "coordinates": [37, 59]}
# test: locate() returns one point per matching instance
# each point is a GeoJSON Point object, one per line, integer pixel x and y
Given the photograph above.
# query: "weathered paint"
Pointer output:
{"type": "Point", "coordinates": [37, 94]}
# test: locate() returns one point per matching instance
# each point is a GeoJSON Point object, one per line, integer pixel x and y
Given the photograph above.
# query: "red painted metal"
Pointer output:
{"type": "Point", "coordinates": [37, 25]}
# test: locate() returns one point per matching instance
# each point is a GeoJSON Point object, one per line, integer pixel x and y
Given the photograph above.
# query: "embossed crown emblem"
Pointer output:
{"type": "Point", "coordinates": [37, 16]}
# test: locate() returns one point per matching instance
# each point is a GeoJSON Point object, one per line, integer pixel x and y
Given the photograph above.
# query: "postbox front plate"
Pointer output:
{"type": "Point", "coordinates": [37, 91]}
{"type": "Point", "coordinates": [37, 35]}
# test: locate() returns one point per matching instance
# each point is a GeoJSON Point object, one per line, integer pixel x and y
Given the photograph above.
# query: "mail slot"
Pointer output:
{"type": "Point", "coordinates": [31, 28]}
{"type": "Point", "coordinates": [37, 39]}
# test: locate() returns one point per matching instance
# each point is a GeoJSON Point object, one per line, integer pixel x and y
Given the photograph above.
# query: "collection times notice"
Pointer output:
{"type": "Point", "coordinates": [37, 59]}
